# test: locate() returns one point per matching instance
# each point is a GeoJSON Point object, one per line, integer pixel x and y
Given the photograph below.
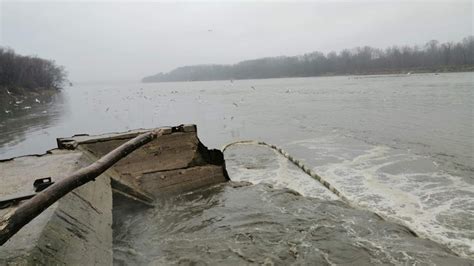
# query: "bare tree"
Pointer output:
{"type": "Point", "coordinates": [360, 60]}
{"type": "Point", "coordinates": [29, 72]}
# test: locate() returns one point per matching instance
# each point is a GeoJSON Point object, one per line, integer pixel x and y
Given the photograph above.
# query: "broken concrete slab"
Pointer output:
{"type": "Point", "coordinates": [78, 224]}
{"type": "Point", "coordinates": [77, 228]}
{"type": "Point", "coordinates": [163, 183]}
{"type": "Point", "coordinates": [179, 150]}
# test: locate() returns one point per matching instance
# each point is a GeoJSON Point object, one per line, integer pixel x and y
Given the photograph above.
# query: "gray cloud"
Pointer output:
{"type": "Point", "coordinates": [126, 41]}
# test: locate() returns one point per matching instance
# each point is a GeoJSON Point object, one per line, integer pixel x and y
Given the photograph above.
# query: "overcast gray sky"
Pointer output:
{"type": "Point", "coordinates": [127, 41]}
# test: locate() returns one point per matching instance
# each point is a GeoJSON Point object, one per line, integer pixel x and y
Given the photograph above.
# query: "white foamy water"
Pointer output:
{"type": "Point", "coordinates": [402, 146]}
{"type": "Point", "coordinates": [399, 185]}
{"type": "Point", "coordinates": [261, 164]}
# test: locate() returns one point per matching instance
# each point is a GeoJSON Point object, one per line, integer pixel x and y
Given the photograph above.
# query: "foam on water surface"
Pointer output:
{"type": "Point", "coordinates": [236, 223]}
{"type": "Point", "coordinates": [397, 184]}
{"type": "Point", "coordinates": [261, 164]}
{"type": "Point", "coordinates": [400, 146]}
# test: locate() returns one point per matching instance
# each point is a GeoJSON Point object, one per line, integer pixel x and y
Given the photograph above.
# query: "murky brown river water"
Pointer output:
{"type": "Point", "coordinates": [401, 146]}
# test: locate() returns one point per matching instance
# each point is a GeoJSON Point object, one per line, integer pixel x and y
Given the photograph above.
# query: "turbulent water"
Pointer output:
{"type": "Point", "coordinates": [401, 146]}
{"type": "Point", "coordinates": [237, 225]}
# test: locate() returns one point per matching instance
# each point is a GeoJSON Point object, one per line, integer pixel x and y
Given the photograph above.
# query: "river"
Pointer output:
{"type": "Point", "coordinates": [398, 145]}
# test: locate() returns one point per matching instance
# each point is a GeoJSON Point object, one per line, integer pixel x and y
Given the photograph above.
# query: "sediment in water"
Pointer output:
{"type": "Point", "coordinates": [77, 229]}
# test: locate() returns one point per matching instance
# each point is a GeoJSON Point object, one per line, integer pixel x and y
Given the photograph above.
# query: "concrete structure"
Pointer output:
{"type": "Point", "coordinates": [77, 230]}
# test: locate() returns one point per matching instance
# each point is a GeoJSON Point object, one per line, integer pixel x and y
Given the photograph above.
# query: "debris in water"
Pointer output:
{"type": "Point", "coordinates": [26, 107]}
{"type": "Point", "coordinates": [235, 104]}
{"type": "Point", "coordinates": [7, 111]}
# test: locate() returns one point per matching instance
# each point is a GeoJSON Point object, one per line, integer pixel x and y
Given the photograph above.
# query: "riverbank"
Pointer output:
{"type": "Point", "coordinates": [447, 69]}
{"type": "Point", "coordinates": [22, 98]}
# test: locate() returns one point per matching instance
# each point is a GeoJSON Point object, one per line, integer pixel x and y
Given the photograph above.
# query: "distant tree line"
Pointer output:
{"type": "Point", "coordinates": [433, 56]}
{"type": "Point", "coordinates": [29, 72]}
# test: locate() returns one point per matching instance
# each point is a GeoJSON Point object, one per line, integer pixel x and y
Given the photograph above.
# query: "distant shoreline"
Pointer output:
{"type": "Point", "coordinates": [464, 69]}
{"type": "Point", "coordinates": [432, 57]}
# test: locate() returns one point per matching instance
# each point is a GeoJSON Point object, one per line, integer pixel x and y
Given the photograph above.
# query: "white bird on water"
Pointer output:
{"type": "Point", "coordinates": [7, 111]}
{"type": "Point", "coordinates": [38, 101]}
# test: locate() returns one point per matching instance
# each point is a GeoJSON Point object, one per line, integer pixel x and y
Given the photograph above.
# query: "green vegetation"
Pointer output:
{"type": "Point", "coordinates": [361, 60]}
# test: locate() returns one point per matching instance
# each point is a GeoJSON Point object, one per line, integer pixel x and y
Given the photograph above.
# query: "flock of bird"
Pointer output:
{"type": "Point", "coordinates": [122, 108]}
{"type": "Point", "coordinates": [17, 102]}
